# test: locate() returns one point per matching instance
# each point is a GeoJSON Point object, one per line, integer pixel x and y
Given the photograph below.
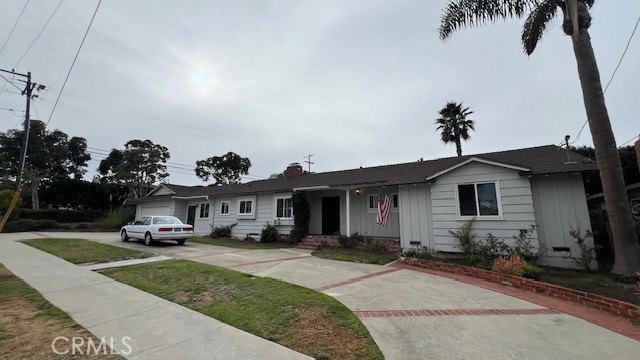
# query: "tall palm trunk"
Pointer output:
{"type": "Point", "coordinates": [625, 240]}
{"type": "Point", "coordinates": [456, 132]}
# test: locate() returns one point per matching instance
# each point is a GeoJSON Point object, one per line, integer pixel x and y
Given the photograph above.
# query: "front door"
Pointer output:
{"type": "Point", "coordinates": [330, 215]}
{"type": "Point", "coordinates": [191, 215]}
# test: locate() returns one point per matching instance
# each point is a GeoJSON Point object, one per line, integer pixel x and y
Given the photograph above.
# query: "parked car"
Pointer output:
{"type": "Point", "coordinates": [156, 228]}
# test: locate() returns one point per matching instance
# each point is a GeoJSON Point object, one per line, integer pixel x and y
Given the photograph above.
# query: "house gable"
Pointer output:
{"type": "Point", "coordinates": [479, 160]}
{"type": "Point", "coordinates": [161, 190]}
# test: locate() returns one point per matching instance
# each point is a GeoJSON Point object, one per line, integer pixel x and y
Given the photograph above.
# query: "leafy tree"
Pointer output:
{"type": "Point", "coordinates": [225, 169]}
{"type": "Point", "coordinates": [631, 174]}
{"type": "Point", "coordinates": [454, 125]}
{"type": "Point", "coordinates": [81, 194]}
{"type": "Point", "coordinates": [138, 166]}
{"type": "Point", "coordinates": [50, 155]}
{"type": "Point", "coordinates": [576, 22]}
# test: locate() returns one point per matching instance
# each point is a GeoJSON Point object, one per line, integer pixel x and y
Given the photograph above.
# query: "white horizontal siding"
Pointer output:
{"type": "Point", "coordinates": [515, 195]}
{"type": "Point", "coordinates": [264, 212]}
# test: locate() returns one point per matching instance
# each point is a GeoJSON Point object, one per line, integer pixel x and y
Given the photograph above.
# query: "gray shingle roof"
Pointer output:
{"type": "Point", "coordinates": [548, 159]}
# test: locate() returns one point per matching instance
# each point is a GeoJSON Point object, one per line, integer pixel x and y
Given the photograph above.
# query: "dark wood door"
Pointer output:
{"type": "Point", "coordinates": [330, 215]}
{"type": "Point", "coordinates": [191, 215]}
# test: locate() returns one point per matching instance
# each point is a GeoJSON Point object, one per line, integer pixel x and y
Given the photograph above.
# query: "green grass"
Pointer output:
{"type": "Point", "coordinates": [291, 315]}
{"type": "Point", "coordinates": [11, 288]}
{"type": "Point", "coordinates": [80, 251]}
{"type": "Point", "coordinates": [240, 244]}
{"type": "Point", "coordinates": [592, 282]}
{"type": "Point", "coordinates": [355, 256]}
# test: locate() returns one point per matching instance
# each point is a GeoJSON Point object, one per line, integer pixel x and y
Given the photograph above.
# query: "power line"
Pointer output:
{"type": "Point", "coordinates": [73, 63]}
{"type": "Point", "coordinates": [14, 27]}
{"type": "Point", "coordinates": [39, 33]}
{"type": "Point", "coordinates": [626, 48]}
{"type": "Point", "coordinates": [630, 140]}
{"type": "Point", "coordinates": [10, 82]}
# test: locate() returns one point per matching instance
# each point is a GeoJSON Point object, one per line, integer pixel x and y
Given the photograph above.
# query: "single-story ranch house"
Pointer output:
{"type": "Point", "coordinates": [504, 191]}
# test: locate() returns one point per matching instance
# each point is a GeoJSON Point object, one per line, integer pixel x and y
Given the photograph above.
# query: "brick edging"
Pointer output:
{"type": "Point", "coordinates": [603, 303]}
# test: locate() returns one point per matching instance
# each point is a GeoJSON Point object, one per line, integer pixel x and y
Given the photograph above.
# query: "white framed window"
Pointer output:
{"type": "Point", "coordinates": [204, 211]}
{"type": "Point", "coordinates": [224, 208]}
{"type": "Point", "coordinates": [245, 207]}
{"type": "Point", "coordinates": [284, 207]}
{"type": "Point", "coordinates": [479, 200]}
{"type": "Point", "coordinates": [373, 202]}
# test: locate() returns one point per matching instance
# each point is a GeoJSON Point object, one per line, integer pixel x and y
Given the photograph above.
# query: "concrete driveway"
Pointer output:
{"type": "Point", "coordinates": [413, 315]}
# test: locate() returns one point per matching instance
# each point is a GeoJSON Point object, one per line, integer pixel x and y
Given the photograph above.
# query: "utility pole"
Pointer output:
{"type": "Point", "coordinates": [28, 91]}
{"type": "Point", "coordinates": [308, 161]}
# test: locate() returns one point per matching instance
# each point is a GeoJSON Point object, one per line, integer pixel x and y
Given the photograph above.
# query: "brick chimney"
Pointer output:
{"type": "Point", "coordinates": [293, 171]}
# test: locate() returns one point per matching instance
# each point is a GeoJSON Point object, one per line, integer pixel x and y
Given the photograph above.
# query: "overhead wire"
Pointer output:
{"type": "Point", "coordinates": [14, 27]}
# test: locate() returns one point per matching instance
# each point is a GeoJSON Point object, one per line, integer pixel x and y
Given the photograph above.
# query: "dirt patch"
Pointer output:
{"type": "Point", "coordinates": [206, 297]}
{"type": "Point", "coordinates": [25, 335]}
{"type": "Point", "coordinates": [316, 332]}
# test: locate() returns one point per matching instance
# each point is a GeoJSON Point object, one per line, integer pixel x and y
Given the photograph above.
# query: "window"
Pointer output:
{"type": "Point", "coordinates": [147, 221]}
{"type": "Point", "coordinates": [166, 220]}
{"type": "Point", "coordinates": [373, 202]}
{"type": "Point", "coordinates": [204, 210]}
{"type": "Point", "coordinates": [224, 208]}
{"type": "Point", "coordinates": [245, 207]}
{"type": "Point", "coordinates": [284, 208]}
{"type": "Point", "coordinates": [478, 199]}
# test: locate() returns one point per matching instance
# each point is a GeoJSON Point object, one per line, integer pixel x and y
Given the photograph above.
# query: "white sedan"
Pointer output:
{"type": "Point", "coordinates": [155, 228]}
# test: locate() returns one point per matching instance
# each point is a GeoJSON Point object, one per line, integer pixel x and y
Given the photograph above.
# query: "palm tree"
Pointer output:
{"type": "Point", "coordinates": [454, 125]}
{"type": "Point", "coordinates": [576, 23]}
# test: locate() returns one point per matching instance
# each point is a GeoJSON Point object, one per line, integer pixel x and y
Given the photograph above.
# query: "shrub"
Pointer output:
{"type": "Point", "coordinates": [62, 216]}
{"type": "Point", "coordinates": [523, 246]}
{"type": "Point", "coordinates": [346, 242]}
{"type": "Point", "coordinates": [117, 218]}
{"type": "Point", "coordinates": [222, 231]}
{"type": "Point", "coordinates": [587, 254]}
{"type": "Point", "coordinates": [21, 225]}
{"type": "Point", "coordinates": [301, 217]}
{"type": "Point", "coordinates": [512, 265]}
{"type": "Point", "coordinates": [360, 239]}
{"type": "Point", "coordinates": [5, 200]}
{"type": "Point", "coordinates": [421, 253]}
{"type": "Point", "coordinates": [377, 247]}
{"type": "Point", "coordinates": [269, 234]}
{"type": "Point", "coordinates": [465, 237]}
{"type": "Point", "coordinates": [531, 271]}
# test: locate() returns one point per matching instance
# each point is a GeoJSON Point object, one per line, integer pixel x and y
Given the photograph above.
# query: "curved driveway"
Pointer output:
{"type": "Point", "coordinates": [414, 315]}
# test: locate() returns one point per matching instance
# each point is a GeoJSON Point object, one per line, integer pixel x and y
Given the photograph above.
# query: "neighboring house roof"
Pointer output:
{"type": "Point", "coordinates": [627, 188]}
{"type": "Point", "coordinates": [548, 159]}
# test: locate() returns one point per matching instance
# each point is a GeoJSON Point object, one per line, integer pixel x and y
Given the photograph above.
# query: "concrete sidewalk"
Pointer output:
{"type": "Point", "coordinates": [158, 329]}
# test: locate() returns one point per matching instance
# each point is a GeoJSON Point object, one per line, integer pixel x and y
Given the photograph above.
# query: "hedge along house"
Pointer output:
{"type": "Point", "coordinates": [503, 191]}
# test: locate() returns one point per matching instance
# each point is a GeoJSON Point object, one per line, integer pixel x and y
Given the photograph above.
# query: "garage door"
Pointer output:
{"type": "Point", "coordinates": [154, 210]}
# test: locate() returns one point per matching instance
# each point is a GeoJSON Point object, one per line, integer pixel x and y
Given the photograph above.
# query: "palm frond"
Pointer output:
{"type": "Point", "coordinates": [463, 13]}
{"type": "Point", "coordinates": [536, 24]}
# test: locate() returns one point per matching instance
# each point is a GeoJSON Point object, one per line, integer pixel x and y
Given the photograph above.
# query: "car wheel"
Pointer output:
{"type": "Point", "coordinates": [182, 241]}
{"type": "Point", "coordinates": [123, 236]}
{"type": "Point", "coordinates": [148, 240]}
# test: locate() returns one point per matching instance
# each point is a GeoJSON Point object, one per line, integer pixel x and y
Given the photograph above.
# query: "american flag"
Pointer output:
{"type": "Point", "coordinates": [384, 207]}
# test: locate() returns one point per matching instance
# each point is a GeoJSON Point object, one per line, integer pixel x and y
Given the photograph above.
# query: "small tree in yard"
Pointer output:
{"type": "Point", "coordinates": [587, 254]}
{"type": "Point", "coordinates": [224, 170]}
{"type": "Point", "coordinates": [576, 23]}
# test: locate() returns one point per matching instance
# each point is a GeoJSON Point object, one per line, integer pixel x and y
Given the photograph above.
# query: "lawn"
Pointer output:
{"type": "Point", "coordinates": [29, 323]}
{"type": "Point", "coordinates": [592, 282]}
{"type": "Point", "coordinates": [240, 244]}
{"type": "Point", "coordinates": [80, 251]}
{"type": "Point", "coordinates": [296, 317]}
{"type": "Point", "coordinates": [355, 256]}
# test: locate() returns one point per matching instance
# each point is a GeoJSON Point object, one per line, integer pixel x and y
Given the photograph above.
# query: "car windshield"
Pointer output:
{"type": "Point", "coordinates": [163, 220]}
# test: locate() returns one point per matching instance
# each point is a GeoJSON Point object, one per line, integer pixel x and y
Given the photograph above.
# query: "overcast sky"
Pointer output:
{"type": "Point", "coordinates": [357, 83]}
